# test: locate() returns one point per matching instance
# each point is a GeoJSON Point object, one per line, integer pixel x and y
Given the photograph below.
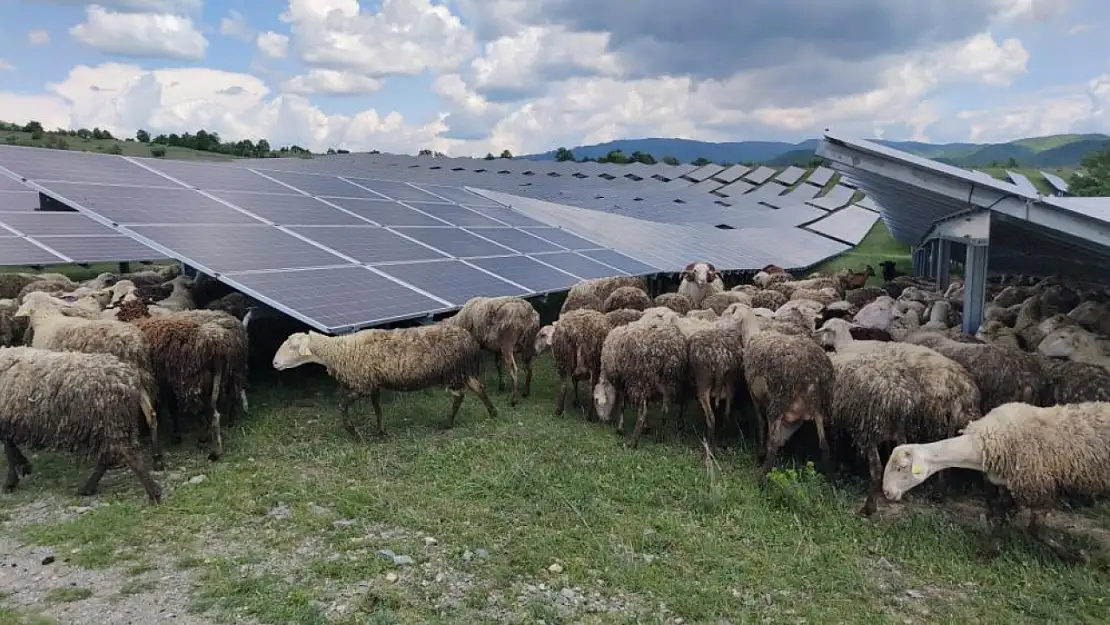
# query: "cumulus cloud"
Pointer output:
{"type": "Point", "coordinates": [331, 82]}
{"type": "Point", "coordinates": [235, 25]}
{"type": "Point", "coordinates": [188, 7]}
{"type": "Point", "coordinates": [38, 37]}
{"type": "Point", "coordinates": [123, 98]}
{"type": "Point", "coordinates": [273, 45]}
{"type": "Point", "coordinates": [141, 34]}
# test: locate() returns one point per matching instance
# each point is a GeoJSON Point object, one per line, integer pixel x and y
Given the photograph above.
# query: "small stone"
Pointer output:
{"type": "Point", "coordinates": [391, 577]}
{"type": "Point", "coordinates": [679, 621]}
{"type": "Point", "coordinates": [386, 554]}
{"type": "Point", "coordinates": [649, 558]}
{"type": "Point", "coordinates": [48, 560]}
{"type": "Point", "coordinates": [80, 509]}
{"type": "Point", "coordinates": [481, 553]}
{"type": "Point", "coordinates": [403, 561]}
{"type": "Point", "coordinates": [440, 577]}
{"type": "Point", "coordinates": [281, 512]}
{"type": "Point", "coordinates": [467, 555]}
{"type": "Point", "coordinates": [319, 606]}
{"type": "Point", "coordinates": [914, 594]}
{"type": "Point", "coordinates": [316, 510]}
{"type": "Point", "coordinates": [568, 593]}
{"type": "Point", "coordinates": [883, 562]}
{"type": "Point", "coordinates": [341, 523]}
{"type": "Point", "coordinates": [555, 568]}
{"type": "Point", "coordinates": [197, 479]}
{"type": "Point", "coordinates": [429, 541]}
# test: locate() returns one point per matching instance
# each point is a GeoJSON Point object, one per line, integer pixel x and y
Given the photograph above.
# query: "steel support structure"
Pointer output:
{"type": "Point", "coordinates": [943, 254]}
{"type": "Point", "coordinates": [975, 287]}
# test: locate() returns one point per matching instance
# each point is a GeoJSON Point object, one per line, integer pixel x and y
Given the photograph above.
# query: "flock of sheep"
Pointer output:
{"type": "Point", "coordinates": [1022, 402]}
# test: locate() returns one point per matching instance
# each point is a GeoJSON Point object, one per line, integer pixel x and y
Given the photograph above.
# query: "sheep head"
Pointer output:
{"type": "Point", "coordinates": [544, 337]}
{"type": "Point", "coordinates": [295, 351]}
{"type": "Point", "coordinates": [35, 300]}
{"type": "Point", "coordinates": [605, 398]}
{"type": "Point", "coordinates": [700, 273]}
{"type": "Point", "coordinates": [869, 270]}
{"type": "Point", "coordinates": [833, 332]}
{"type": "Point", "coordinates": [1067, 342]}
{"type": "Point", "coordinates": [907, 467]}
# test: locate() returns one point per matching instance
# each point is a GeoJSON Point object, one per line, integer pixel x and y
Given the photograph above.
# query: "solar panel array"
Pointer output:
{"type": "Point", "coordinates": [347, 241]}
{"type": "Point", "coordinates": [1021, 181]}
{"type": "Point", "coordinates": [1056, 182]}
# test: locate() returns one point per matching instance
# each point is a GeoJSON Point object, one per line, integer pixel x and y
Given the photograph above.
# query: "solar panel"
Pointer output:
{"type": "Point", "coordinates": [731, 174]}
{"type": "Point", "coordinates": [558, 236]}
{"type": "Point", "coordinates": [849, 225]}
{"type": "Point", "coordinates": [820, 176]}
{"type": "Point", "coordinates": [20, 201]}
{"type": "Point", "coordinates": [733, 189]}
{"type": "Point", "coordinates": [96, 249]}
{"type": "Point", "coordinates": [229, 248]}
{"type": "Point", "coordinates": [704, 172]}
{"type": "Point", "coordinates": [578, 265]}
{"type": "Point", "coordinates": [869, 204]}
{"type": "Point", "coordinates": [451, 280]}
{"type": "Point", "coordinates": [760, 174]}
{"type": "Point", "coordinates": [70, 166]}
{"type": "Point", "coordinates": [148, 205]}
{"type": "Point", "coordinates": [705, 186]}
{"type": "Point", "coordinates": [1022, 182]}
{"type": "Point", "coordinates": [798, 195]}
{"type": "Point", "coordinates": [1056, 182]}
{"type": "Point", "coordinates": [19, 251]}
{"type": "Point", "coordinates": [368, 244]}
{"type": "Point", "coordinates": [459, 195]}
{"type": "Point", "coordinates": [518, 240]}
{"type": "Point", "coordinates": [837, 197]}
{"type": "Point", "coordinates": [455, 242]}
{"type": "Point", "coordinates": [220, 177]}
{"type": "Point", "coordinates": [288, 209]}
{"type": "Point", "coordinates": [324, 186]}
{"type": "Point", "coordinates": [527, 272]}
{"type": "Point", "coordinates": [453, 214]}
{"type": "Point", "coordinates": [386, 212]}
{"type": "Point", "coordinates": [790, 175]}
{"type": "Point", "coordinates": [507, 215]}
{"type": "Point", "coordinates": [397, 190]}
{"type": "Point", "coordinates": [339, 297]}
{"type": "Point", "coordinates": [8, 184]}
{"type": "Point", "coordinates": [34, 223]}
{"type": "Point", "coordinates": [620, 261]}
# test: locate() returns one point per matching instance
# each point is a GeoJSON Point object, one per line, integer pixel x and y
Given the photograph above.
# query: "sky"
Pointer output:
{"type": "Point", "coordinates": [467, 77]}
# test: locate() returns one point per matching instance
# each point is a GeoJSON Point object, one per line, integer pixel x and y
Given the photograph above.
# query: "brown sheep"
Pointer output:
{"type": "Point", "coordinates": [675, 301]}
{"type": "Point", "coordinates": [576, 346]}
{"type": "Point", "coordinates": [630, 297]}
{"type": "Point", "coordinates": [503, 325]}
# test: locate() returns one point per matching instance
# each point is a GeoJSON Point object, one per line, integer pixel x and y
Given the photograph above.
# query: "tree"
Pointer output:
{"type": "Point", "coordinates": [643, 157]}
{"type": "Point", "coordinates": [701, 161]}
{"type": "Point", "coordinates": [506, 154]}
{"type": "Point", "coordinates": [115, 149]}
{"type": "Point", "coordinates": [427, 152]}
{"type": "Point", "coordinates": [1012, 163]}
{"type": "Point", "coordinates": [489, 156]}
{"type": "Point", "coordinates": [564, 155]}
{"type": "Point", "coordinates": [1093, 180]}
{"type": "Point", "coordinates": [33, 126]}
{"type": "Point", "coordinates": [142, 136]}
{"type": "Point", "coordinates": [614, 156]}
{"type": "Point", "coordinates": [670, 160]}
{"type": "Point", "coordinates": [157, 151]}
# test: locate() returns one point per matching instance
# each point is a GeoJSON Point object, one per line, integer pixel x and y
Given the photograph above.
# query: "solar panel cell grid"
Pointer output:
{"type": "Point", "coordinates": [368, 244]}
{"type": "Point", "coordinates": [19, 251]}
{"type": "Point", "coordinates": [212, 176]}
{"type": "Point", "coordinates": [35, 223]}
{"type": "Point", "coordinates": [455, 242]}
{"type": "Point", "coordinates": [93, 249]}
{"type": "Point", "coordinates": [506, 215]}
{"type": "Point", "coordinates": [7, 184]}
{"type": "Point", "coordinates": [227, 248]}
{"type": "Point", "coordinates": [386, 212]}
{"type": "Point", "coordinates": [71, 166]}
{"type": "Point", "coordinates": [451, 280]}
{"type": "Point", "coordinates": [455, 194]}
{"type": "Point", "coordinates": [324, 186]}
{"type": "Point", "coordinates": [397, 190]}
{"type": "Point", "coordinates": [146, 205]}
{"type": "Point", "coordinates": [558, 236]}
{"type": "Point", "coordinates": [21, 201]}
{"type": "Point", "coordinates": [289, 209]}
{"type": "Point", "coordinates": [454, 214]}
{"type": "Point", "coordinates": [518, 240]}
{"type": "Point", "coordinates": [619, 261]}
{"type": "Point", "coordinates": [578, 265]}
{"type": "Point", "coordinates": [527, 272]}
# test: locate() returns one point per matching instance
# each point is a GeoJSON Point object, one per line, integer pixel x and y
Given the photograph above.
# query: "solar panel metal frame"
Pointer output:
{"type": "Point", "coordinates": [735, 188]}
{"type": "Point", "coordinates": [789, 176]}
{"type": "Point", "coordinates": [1021, 181]}
{"type": "Point", "coordinates": [850, 219]}
{"type": "Point", "coordinates": [820, 176]}
{"type": "Point", "coordinates": [425, 281]}
{"type": "Point", "coordinates": [760, 174]}
{"type": "Point", "coordinates": [488, 263]}
{"type": "Point", "coordinates": [1056, 182]}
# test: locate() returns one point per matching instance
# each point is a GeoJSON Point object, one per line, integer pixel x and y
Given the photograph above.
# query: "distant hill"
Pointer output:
{"type": "Point", "coordinates": [1055, 151]}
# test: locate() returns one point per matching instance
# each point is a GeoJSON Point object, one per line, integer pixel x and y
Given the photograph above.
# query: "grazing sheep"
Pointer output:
{"type": "Point", "coordinates": [718, 302]}
{"type": "Point", "coordinates": [1030, 456]}
{"type": "Point", "coordinates": [856, 280]}
{"type": "Point", "coordinates": [408, 359]}
{"type": "Point", "coordinates": [505, 326]}
{"type": "Point", "coordinates": [630, 297]}
{"type": "Point", "coordinates": [1073, 343]}
{"type": "Point", "coordinates": [1002, 375]}
{"type": "Point", "coordinates": [715, 361]}
{"type": "Point", "coordinates": [816, 284]}
{"type": "Point", "coordinates": [585, 293]}
{"type": "Point", "coordinates": [863, 296]}
{"type": "Point", "coordinates": [702, 314]}
{"type": "Point", "coordinates": [765, 298]}
{"type": "Point", "coordinates": [765, 278]}
{"type": "Point", "coordinates": [699, 281]}
{"type": "Point", "coordinates": [790, 380]}
{"type": "Point", "coordinates": [1070, 382]}
{"type": "Point", "coordinates": [892, 393]}
{"type": "Point", "coordinates": [623, 316]}
{"type": "Point", "coordinates": [181, 298]}
{"type": "Point", "coordinates": [640, 362]}
{"type": "Point", "coordinates": [53, 286]}
{"type": "Point", "coordinates": [576, 341]}
{"type": "Point", "coordinates": [235, 304]}
{"type": "Point", "coordinates": [879, 314]}
{"type": "Point", "coordinates": [88, 404]}
{"type": "Point", "coordinates": [889, 270]}
{"type": "Point", "coordinates": [675, 301]}
{"type": "Point", "coordinates": [823, 296]}
{"type": "Point", "coordinates": [11, 284]}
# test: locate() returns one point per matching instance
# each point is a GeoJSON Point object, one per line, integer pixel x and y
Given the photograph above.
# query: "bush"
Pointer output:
{"type": "Point", "coordinates": [115, 149]}
{"type": "Point", "coordinates": [158, 151]}
{"type": "Point", "coordinates": [797, 490]}
{"type": "Point", "coordinates": [36, 135]}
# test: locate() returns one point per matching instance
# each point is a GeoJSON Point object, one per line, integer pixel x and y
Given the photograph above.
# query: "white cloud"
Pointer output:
{"type": "Point", "coordinates": [331, 82]}
{"type": "Point", "coordinates": [518, 63]}
{"type": "Point", "coordinates": [5, 66]}
{"type": "Point", "coordinates": [188, 7]}
{"type": "Point", "coordinates": [123, 98]}
{"type": "Point", "coordinates": [1080, 28]}
{"type": "Point", "coordinates": [404, 37]}
{"type": "Point", "coordinates": [235, 25]}
{"type": "Point", "coordinates": [273, 45]}
{"type": "Point", "coordinates": [38, 37]}
{"type": "Point", "coordinates": [141, 34]}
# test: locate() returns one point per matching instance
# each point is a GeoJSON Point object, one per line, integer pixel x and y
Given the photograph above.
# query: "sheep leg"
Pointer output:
{"type": "Point", "coordinates": [1000, 505]}
{"type": "Point", "coordinates": [589, 411]}
{"type": "Point", "coordinates": [875, 464]}
{"type": "Point", "coordinates": [641, 421]}
{"type": "Point", "coordinates": [510, 358]}
{"type": "Point", "coordinates": [710, 417]}
{"type": "Point", "coordinates": [527, 376]}
{"type": "Point", "coordinates": [476, 387]}
{"type": "Point", "coordinates": [760, 426]}
{"type": "Point", "coordinates": [138, 467]}
{"type": "Point", "coordinates": [618, 407]}
{"type": "Point", "coordinates": [826, 452]}
{"type": "Point", "coordinates": [561, 400]}
{"type": "Point", "coordinates": [497, 365]}
{"type": "Point", "coordinates": [17, 466]}
{"type": "Point", "coordinates": [1037, 530]}
{"type": "Point", "coordinates": [376, 404]}
{"type": "Point", "coordinates": [576, 401]}
{"type": "Point", "coordinates": [21, 461]}
{"type": "Point", "coordinates": [345, 401]}
{"type": "Point", "coordinates": [89, 487]}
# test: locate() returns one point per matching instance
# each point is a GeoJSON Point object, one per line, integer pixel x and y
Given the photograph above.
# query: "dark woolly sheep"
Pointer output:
{"type": "Point", "coordinates": [718, 302]}
{"type": "Point", "coordinates": [146, 277]}
{"type": "Point", "coordinates": [715, 361]}
{"type": "Point", "coordinates": [815, 284]}
{"type": "Point", "coordinates": [576, 346]}
{"type": "Point", "coordinates": [229, 345]}
{"type": "Point", "coordinates": [622, 317]}
{"type": "Point", "coordinates": [630, 297]}
{"type": "Point", "coordinates": [1002, 375]}
{"type": "Point", "coordinates": [505, 326]}
{"type": "Point", "coordinates": [790, 379]}
{"type": "Point", "coordinates": [50, 286]}
{"type": "Point", "coordinates": [869, 334]}
{"type": "Point", "coordinates": [863, 296]}
{"type": "Point", "coordinates": [1030, 457]}
{"type": "Point", "coordinates": [235, 304]}
{"type": "Point", "coordinates": [640, 362]}
{"type": "Point", "coordinates": [11, 284]}
{"type": "Point", "coordinates": [766, 298]}
{"type": "Point", "coordinates": [1070, 382]}
{"type": "Point", "coordinates": [407, 359]}
{"type": "Point", "coordinates": [675, 301]}
{"type": "Point", "coordinates": [87, 404]}
{"type": "Point", "coordinates": [599, 288]}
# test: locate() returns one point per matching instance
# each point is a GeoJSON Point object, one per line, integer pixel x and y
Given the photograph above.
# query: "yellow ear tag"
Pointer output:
{"type": "Point", "coordinates": [306, 351]}
{"type": "Point", "coordinates": [916, 469]}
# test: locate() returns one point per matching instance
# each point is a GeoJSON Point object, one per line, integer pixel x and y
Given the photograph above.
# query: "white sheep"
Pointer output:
{"type": "Point", "coordinates": [699, 281]}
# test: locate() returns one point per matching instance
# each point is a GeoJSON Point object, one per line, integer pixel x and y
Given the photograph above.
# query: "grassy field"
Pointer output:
{"type": "Point", "coordinates": [127, 148]}
{"type": "Point", "coordinates": [876, 247]}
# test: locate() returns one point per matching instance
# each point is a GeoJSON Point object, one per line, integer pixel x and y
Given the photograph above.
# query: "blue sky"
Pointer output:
{"type": "Point", "coordinates": [474, 76]}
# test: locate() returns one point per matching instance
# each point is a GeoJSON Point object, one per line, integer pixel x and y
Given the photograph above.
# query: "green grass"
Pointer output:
{"type": "Point", "coordinates": [105, 146]}
{"type": "Point", "coordinates": [10, 616]}
{"type": "Point", "coordinates": [631, 528]}
{"type": "Point", "coordinates": [68, 594]}
{"type": "Point", "coordinates": [1040, 144]}
{"type": "Point", "coordinates": [875, 248]}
